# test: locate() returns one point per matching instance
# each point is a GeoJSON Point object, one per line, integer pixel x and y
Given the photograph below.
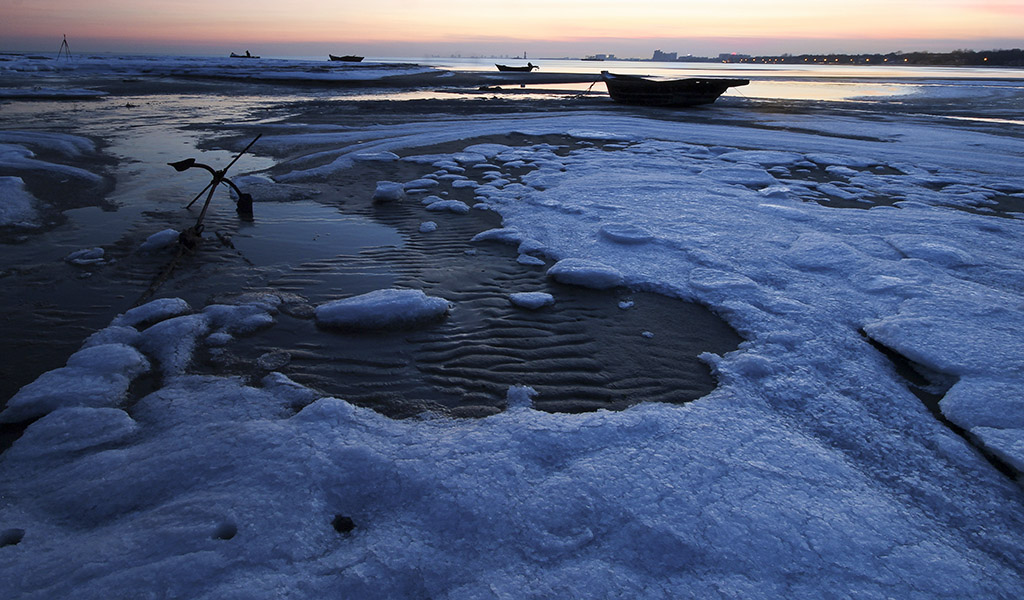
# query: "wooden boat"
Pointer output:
{"type": "Point", "coordinates": [346, 58]}
{"type": "Point", "coordinates": [529, 67]}
{"type": "Point", "coordinates": [246, 55]}
{"type": "Point", "coordinates": [633, 89]}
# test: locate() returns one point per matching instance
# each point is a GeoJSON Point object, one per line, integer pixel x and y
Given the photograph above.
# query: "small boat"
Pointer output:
{"type": "Point", "coordinates": [529, 67]}
{"type": "Point", "coordinates": [634, 89]}
{"type": "Point", "coordinates": [246, 55]}
{"type": "Point", "coordinates": [346, 58]}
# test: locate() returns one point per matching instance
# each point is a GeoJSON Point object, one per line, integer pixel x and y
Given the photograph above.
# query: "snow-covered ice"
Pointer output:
{"type": "Point", "coordinates": [455, 206]}
{"type": "Point", "coordinates": [811, 471]}
{"type": "Point", "coordinates": [382, 309]}
{"type": "Point", "coordinates": [388, 191]}
{"type": "Point", "coordinates": [532, 300]}
{"type": "Point", "coordinates": [86, 256]}
{"type": "Point", "coordinates": [17, 205]}
{"type": "Point", "coordinates": [587, 273]}
{"type": "Point", "coordinates": [160, 240]}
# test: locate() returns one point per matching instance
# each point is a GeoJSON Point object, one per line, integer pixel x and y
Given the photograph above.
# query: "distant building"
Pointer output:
{"type": "Point", "coordinates": [731, 56]}
{"type": "Point", "coordinates": [665, 56]}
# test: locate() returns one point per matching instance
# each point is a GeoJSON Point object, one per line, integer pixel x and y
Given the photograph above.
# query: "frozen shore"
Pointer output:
{"type": "Point", "coordinates": [176, 454]}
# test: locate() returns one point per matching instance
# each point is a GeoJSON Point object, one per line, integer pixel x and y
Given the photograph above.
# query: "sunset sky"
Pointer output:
{"type": "Point", "coordinates": [539, 27]}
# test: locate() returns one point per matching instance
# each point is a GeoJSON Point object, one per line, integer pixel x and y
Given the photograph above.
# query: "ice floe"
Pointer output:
{"type": "Point", "coordinates": [382, 309]}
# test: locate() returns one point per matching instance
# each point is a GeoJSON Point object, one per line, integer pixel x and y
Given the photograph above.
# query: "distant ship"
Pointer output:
{"type": "Point", "coordinates": [346, 58]}
{"type": "Point", "coordinates": [246, 55]}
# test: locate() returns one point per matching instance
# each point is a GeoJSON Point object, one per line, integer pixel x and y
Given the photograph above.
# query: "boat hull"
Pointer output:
{"type": "Point", "coordinates": [632, 89]}
{"type": "Point", "coordinates": [525, 69]}
{"type": "Point", "coordinates": [346, 58]}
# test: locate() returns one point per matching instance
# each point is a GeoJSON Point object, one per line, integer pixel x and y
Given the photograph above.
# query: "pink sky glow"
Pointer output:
{"type": "Point", "coordinates": [540, 27]}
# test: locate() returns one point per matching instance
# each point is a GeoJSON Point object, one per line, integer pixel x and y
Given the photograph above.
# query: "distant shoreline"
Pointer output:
{"type": "Point", "coordinates": [957, 58]}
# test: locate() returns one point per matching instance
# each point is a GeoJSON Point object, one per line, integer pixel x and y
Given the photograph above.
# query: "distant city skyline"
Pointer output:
{"type": "Point", "coordinates": [570, 28]}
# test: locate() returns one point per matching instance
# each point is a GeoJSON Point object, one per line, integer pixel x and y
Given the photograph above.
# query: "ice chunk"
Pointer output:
{"type": "Point", "coordinates": [87, 256]}
{"type": "Point", "coordinates": [456, 206]}
{"type": "Point", "coordinates": [740, 175]}
{"type": "Point", "coordinates": [173, 341]}
{"type": "Point", "coordinates": [927, 247]}
{"type": "Point", "coordinates": [983, 402]}
{"type": "Point", "coordinates": [160, 240]}
{"type": "Point", "coordinates": [532, 300]}
{"type": "Point", "coordinates": [113, 334]}
{"type": "Point", "coordinates": [382, 309]}
{"type": "Point", "coordinates": [97, 376]}
{"type": "Point", "coordinates": [1007, 444]}
{"type": "Point", "coordinates": [520, 397]}
{"type": "Point", "coordinates": [775, 192]}
{"type": "Point", "coordinates": [73, 429]}
{"type": "Point", "coordinates": [852, 161]}
{"type": "Point", "coordinates": [383, 156]}
{"type": "Point", "coordinates": [238, 319]}
{"type": "Point", "coordinates": [469, 157]}
{"type": "Point", "coordinates": [505, 234]}
{"type": "Point", "coordinates": [153, 311]}
{"type": "Point", "coordinates": [17, 205]}
{"type": "Point", "coordinates": [388, 191]}
{"type": "Point", "coordinates": [533, 261]}
{"type": "Point", "coordinates": [766, 158]}
{"type": "Point", "coordinates": [586, 273]}
{"type": "Point", "coordinates": [625, 233]}
{"type": "Point", "coordinates": [488, 151]}
{"type": "Point", "coordinates": [420, 184]}
{"type": "Point", "coordinates": [297, 395]}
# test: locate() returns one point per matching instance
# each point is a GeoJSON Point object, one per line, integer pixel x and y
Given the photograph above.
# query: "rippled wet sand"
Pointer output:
{"type": "Point", "coordinates": [329, 241]}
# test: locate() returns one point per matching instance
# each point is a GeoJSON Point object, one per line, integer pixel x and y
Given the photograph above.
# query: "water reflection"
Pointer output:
{"type": "Point", "coordinates": [305, 231]}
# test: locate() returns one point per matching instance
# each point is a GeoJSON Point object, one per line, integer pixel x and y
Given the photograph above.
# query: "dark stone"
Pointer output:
{"type": "Point", "coordinates": [343, 524]}
{"type": "Point", "coordinates": [11, 537]}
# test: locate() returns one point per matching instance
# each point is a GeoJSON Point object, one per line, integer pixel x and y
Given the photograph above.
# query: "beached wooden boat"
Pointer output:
{"type": "Point", "coordinates": [529, 67]}
{"type": "Point", "coordinates": [346, 58]}
{"type": "Point", "coordinates": [633, 89]}
{"type": "Point", "coordinates": [246, 55]}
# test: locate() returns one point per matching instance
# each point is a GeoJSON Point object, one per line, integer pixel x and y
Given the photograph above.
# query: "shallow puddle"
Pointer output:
{"type": "Point", "coordinates": [583, 353]}
{"type": "Point", "coordinates": [591, 350]}
{"type": "Point", "coordinates": [300, 232]}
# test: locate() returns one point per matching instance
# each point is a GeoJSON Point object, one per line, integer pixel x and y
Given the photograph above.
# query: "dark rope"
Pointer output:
{"type": "Point", "coordinates": [587, 91]}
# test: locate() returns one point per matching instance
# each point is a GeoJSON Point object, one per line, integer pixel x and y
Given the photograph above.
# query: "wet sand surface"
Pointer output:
{"type": "Point", "coordinates": [330, 241]}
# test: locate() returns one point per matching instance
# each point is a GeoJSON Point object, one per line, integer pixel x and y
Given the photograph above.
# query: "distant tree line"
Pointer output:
{"type": "Point", "coordinates": [960, 58]}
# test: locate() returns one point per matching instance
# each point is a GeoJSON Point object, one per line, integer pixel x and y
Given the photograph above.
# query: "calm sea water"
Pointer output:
{"type": "Point", "coordinates": [1001, 89]}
